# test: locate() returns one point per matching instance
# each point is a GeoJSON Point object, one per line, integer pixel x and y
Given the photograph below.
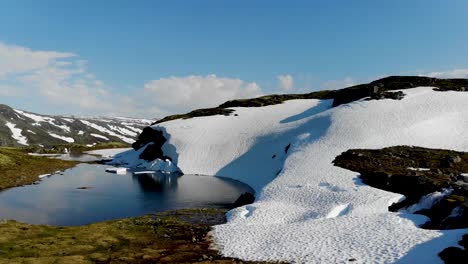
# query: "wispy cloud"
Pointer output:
{"type": "Point", "coordinates": [285, 82]}
{"type": "Point", "coordinates": [454, 73]}
{"type": "Point", "coordinates": [56, 78]}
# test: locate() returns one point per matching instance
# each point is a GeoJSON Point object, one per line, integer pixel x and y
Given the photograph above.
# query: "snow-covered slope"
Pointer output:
{"type": "Point", "coordinates": [21, 128]}
{"type": "Point", "coordinates": [307, 210]}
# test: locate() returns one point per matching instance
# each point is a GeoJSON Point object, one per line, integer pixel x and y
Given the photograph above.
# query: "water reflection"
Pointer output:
{"type": "Point", "coordinates": [58, 201]}
{"type": "Point", "coordinates": [78, 157]}
{"type": "Point", "coordinates": [156, 182]}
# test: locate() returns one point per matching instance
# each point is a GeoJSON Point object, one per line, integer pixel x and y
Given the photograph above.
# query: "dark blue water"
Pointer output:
{"type": "Point", "coordinates": [58, 199]}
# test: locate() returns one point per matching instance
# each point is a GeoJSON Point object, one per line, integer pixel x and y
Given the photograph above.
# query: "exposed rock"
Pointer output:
{"type": "Point", "coordinates": [464, 242]}
{"type": "Point", "coordinates": [416, 172]}
{"type": "Point", "coordinates": [84, 188]}
{"type": "Point", "coordinates": [387, 95]}
{"type": "Point", "coordinates": [392, 83]}
{"type": "Point", "coordinates": [453, 255]}
{"type": "Point", "coordinates": [244, 199]}
{"type": "Point", "coordinates": [149, 135]}
{"type": "Point", "coordinates": [152, 151]}
{"type": "Point", "coordinates": [287, 148]}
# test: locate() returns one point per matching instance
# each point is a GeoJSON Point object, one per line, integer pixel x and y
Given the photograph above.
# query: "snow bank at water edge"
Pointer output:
{"type": "Point", "coordinates": [130, 159]}
{"type": "Point", "coordinates": [307, 210]}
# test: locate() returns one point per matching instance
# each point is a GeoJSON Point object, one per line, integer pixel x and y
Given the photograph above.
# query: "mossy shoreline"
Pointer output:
{"type": "Point", "coordinates": [167, 237]}
{"type": "Point", "coordinates": [179, 236]}
{"type": "Point", "coordinates": [17, 168]}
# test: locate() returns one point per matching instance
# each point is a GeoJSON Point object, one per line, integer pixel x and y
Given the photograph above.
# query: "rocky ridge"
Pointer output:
{"type": "Point", "coordinates": [376, 90]}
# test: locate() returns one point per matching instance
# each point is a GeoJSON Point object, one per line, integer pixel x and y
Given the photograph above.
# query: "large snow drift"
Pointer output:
{"type": "Point", "coordinates": [307, 210]}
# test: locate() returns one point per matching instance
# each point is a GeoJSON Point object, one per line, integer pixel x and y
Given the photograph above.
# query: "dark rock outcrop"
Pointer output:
{"type": "Point", "coordinates": [416, 172]}
{"type": "Point", "coordinates": [152, 151]}
{"type": "Point", "coordinates": [392, 83]}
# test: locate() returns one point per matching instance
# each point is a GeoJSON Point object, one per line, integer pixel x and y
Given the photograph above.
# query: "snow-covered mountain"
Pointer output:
{"type": "Point", "coordinates": [307, 210]}
{"type": "Point", "coordinates": [21, 128]}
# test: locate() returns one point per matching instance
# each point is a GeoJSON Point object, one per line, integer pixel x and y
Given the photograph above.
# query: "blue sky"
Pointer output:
{"type": "Point", "coordinates": [128, 52]}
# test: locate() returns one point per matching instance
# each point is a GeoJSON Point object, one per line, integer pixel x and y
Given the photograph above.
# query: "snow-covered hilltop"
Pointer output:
{"type": "Point", "coordinates": [21, 128]}
{"type": "Point", "coordinates": [307, 210]}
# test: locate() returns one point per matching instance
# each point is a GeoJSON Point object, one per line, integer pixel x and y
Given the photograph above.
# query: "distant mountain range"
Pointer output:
{"type": "Point", "coordinates": [21, 128]}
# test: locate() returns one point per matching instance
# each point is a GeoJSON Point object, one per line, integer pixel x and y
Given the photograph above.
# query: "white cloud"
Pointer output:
{"type": "Point", "coordinates": [181, 94]}
{"type": "Point", "coordinates": [455, 73]}
{"type": "Point", "coordinates": [57, 79]}
{"type": "Point", "coordinates": [17, 60]}
{"type": "Point", "coordinates": [59, 82]}
{"type": "Point", "coordinates": [338, 84]}
{"type": "Point", "coordinates": [286, 82]}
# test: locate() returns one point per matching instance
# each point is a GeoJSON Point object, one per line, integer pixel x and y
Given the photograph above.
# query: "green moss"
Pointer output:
{"type": "Point", "coordinates": [166, 237]}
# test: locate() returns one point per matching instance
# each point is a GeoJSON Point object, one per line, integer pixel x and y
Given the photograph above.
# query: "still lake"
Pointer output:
{"type": "Point", "coordinates": [87, 194]}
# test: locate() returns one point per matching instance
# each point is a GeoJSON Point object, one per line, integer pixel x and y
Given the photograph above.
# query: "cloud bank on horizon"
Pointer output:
{"type": "Point", "coordinates": [62, 80]}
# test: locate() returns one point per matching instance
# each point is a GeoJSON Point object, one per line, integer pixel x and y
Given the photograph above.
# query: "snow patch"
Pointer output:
{"type": "Point", "coordinates": [44, 175]}
{"type": "Point", "coordinates": [428, 201]}
{"type": "Point", "coordinates": [107, 131]}
{"type": "Point", "coordinates": [99, 136]}
{"type": "Point", "coordinates": [68, 119]}
{"type": "Point", "coordinates": [67, 139]}
{"type": "Point", "coordinates": [119, 170]}
{"type": "Point", "coordinates": [131, 159]}
{"type": "Point", "coordinates": [123, 131]}
{"type": "Point", "coordinates": [418, 169]}
{"type": "Point", "coordinates": [16, 134]}
{"type": "Point", "coordinates": [46, 119]}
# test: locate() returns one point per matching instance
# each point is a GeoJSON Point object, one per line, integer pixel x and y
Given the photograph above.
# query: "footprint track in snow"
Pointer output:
{"type": "Point", "coordinates": [340, 210]}
{"type": "Point", "coordinates": [331, 187]}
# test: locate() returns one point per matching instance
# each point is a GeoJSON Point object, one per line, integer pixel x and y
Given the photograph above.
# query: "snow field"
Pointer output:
{"type": "Point", "coordinates": [307, 210]}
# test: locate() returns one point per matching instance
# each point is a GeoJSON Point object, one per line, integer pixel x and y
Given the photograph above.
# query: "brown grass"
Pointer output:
{"type": "Point", "coordinates": [18, 168]}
